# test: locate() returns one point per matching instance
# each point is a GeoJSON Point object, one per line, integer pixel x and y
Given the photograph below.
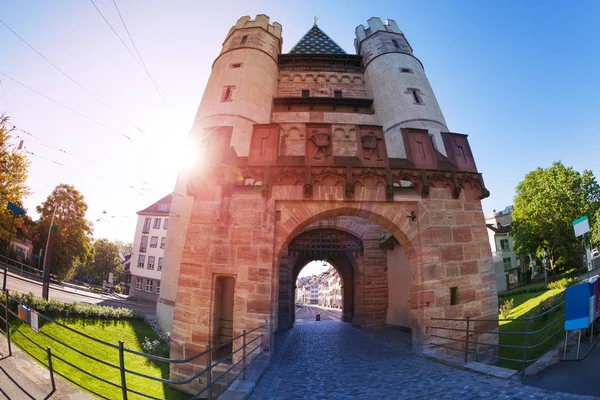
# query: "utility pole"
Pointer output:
{"type": "Point", "coordinates": [47, 260]}
{"type": "Point", "coordinates": [16, 210]}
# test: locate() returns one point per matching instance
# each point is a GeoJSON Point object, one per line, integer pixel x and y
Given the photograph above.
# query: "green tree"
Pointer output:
{"type": "Point", "coordinates": [13, 175]}
{"type": "Point", "coordinates": [73, 246]}
{"type": "Point", "coordinates": [546, 203]}
{"type": "Point", "coordinates": [106, 260]}
{"type": "Point", "coordinates": [124, 247]}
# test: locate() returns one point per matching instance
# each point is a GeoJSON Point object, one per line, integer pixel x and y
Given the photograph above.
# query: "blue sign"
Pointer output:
{"type": "Point", "coordinates": [16, 209]}
{"type": "Point", "coordinates": [577, 315]}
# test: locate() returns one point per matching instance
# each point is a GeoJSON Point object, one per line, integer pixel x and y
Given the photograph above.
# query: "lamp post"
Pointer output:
{"type": "Point", "coordinates": [46, 274]}
{"type": "Point", "coordinates": [16, 210]}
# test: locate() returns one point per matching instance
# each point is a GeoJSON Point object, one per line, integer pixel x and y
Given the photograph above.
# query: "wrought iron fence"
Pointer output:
{"type": "Point", "coordinates": [238, 367]}
{"type": "Point", "coordinates": [459, 335]}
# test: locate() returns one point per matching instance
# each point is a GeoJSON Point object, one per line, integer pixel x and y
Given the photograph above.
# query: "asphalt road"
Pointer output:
{"type": "Point", "coordinates": [69, 295]}
{"type": "Point", "coordinates": [308, 313]}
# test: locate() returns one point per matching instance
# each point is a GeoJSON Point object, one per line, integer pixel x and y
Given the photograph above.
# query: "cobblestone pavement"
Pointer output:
{"type": "Point", "coordinates": [332, 360]}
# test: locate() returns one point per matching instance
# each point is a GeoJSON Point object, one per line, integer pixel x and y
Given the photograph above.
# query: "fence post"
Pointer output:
{"type": "Point", "coordinates": [209, 372]}
{"type": "Point", "coordinates": [526, 346]}
{"type": "Point", "coordinates": [7, 324]}
{"type": "Point", "coordinates": [467, 340]}
{"type": "Point", "coordinates": [244, 354]}
{"type": "Point", "coordinates": [51, 369]}
{"type": "Point", "coordinates": [122, 369]}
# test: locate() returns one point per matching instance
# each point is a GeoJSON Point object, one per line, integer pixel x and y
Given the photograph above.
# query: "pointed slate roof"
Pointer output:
{"type": "Point", "coordinates": [162, 206]}
{"type": "Point", "coordinates": [315, 41]}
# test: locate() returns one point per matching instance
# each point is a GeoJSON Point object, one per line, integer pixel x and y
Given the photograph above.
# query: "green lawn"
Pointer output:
{"type": "Point", "coordinates": [131, 332]}
{"type": "Point", "coordinates": [523, 305]}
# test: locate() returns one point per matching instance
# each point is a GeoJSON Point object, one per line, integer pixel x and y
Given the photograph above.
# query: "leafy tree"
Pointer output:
{"type": "Point", "coordinates": [124, 247]}
{"type": "Point", "coordinates": [106, 260]}
{"type": "Point", "coordinates": [546, 203]}
{"type": "Point", "coordinates": [13, 175]}
{"type": "Point", "coordinates": [73, 246]}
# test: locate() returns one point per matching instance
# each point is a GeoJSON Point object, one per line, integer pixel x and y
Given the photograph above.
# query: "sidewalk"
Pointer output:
{"type": "Point", "coordinates": [23, 378]}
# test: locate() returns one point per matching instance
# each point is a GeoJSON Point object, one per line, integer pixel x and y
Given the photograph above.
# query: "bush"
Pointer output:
{"type": "Point", "coordinates": [521, 290]}
{"type": "Point", "coordinates": [506, 308]}
{"type": "Point", "coordinates": [54, 308]}
{"type": "Point", "coordinates": [562, 283]}
{"type": "Point", "coordinates": [158, 347]}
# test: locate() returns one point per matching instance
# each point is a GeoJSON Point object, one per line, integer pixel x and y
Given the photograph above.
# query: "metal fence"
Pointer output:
{"type": "Point", "coordinates": [249, 345]}
{"type": "Point", "coordinates": [459, 335]}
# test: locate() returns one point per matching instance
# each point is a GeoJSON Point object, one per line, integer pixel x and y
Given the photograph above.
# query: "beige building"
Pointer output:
{"type": "Point", "coordinates": [147, 258]}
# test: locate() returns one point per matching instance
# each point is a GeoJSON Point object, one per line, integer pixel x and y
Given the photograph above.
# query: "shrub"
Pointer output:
{"type": "Point", "coordinates": [506, 308]}
{"type": "Point", "coordinates": [54, 308]}
{"type": "Point", "coordinates": [562, 283]}
{"type": "Point", "coordinates": [521, 290]}
{"type": "Point", "coordinates": [158, 347]}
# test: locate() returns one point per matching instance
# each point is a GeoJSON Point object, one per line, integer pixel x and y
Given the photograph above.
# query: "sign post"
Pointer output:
{"type": "Point", "coordinates": [16, 210]}
{"type": "Point", "coordinates": [581, 226]}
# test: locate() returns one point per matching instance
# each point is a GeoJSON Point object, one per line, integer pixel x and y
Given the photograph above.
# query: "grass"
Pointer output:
{"type": "Point", "coordinates": [131, 332]}
{"type": "Point", "coordinates": [525, 304]}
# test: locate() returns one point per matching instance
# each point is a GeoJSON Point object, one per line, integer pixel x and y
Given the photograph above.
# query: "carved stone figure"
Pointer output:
{"type": "Point", "coordinates": [370, 143]}
{"type": "Point", "coordinates": [323, 143]}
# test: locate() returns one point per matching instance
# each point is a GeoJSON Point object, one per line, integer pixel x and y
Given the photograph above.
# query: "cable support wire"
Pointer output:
{"type": "Point", "coordinates": [68, 108]}
{"type": "Point", "coordinates": [70, 78]}
{"type": "Point", "coordinates": [140, 63]}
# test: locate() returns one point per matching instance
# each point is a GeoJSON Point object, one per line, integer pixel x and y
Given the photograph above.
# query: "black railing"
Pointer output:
{"type": "Point", "coordinates": [239, 367]}
{"type": "Point", "coordinates": [458, 337]}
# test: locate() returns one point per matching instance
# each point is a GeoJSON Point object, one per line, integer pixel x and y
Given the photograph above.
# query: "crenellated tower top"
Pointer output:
{"type": "Point", "coordinates": [261, 21]}
{"type": "Point", "coordinates": [392, 36]}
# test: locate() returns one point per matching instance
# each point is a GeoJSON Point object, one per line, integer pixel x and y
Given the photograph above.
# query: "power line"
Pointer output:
{"type": "Point", "coordinates": [67, 107]}
{"type": "Point", "coordinates": [141, 64]}
{"type": "Point", "coordinates": [128, 34]}
{"type": "Point", "coordinates": [4, 93]}
{"type": "Point", "coordinates": [71, 79]}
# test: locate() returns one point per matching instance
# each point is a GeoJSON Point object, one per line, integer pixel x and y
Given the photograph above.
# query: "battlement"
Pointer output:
{"type": "Point", "coordinates": [376, 25]}
{"type": "Point", "coordinates": [261, 21]}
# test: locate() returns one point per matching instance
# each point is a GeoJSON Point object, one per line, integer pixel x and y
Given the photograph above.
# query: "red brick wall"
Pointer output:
{"type": "Point", "coordinates": [321, 84]}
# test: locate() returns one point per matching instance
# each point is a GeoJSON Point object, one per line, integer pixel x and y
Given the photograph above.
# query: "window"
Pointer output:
{"type": "Point", "coordinates": [236, 65]}
{"type": "Point", "coordinates": [157, 287]}
{"type": "Point", "coordinates": [160, 263]}
{"type": "Point", "coordinates": [395, 43]}
{"type": "Point", "coordinates": [416, 96]}
{"type": "Point", "coordinates": [141, 261]}
{"type": "Point", "coordinates": [227, 93]}
{"type": "Point", "coordinates": [166, 223]}
{"type": "Point", "coordinates": [138, 283]}
{"type": "Point", "coordinates": [147, 223]}
{"type": "Point", "coordinates": [154, 241]}
{"type": "Point", "coordinates": [156, 223]}
{"type": "Point", "coordinates": [306, 93]}
{"type": "Point", "coordinates": [151, 261]}
{"type": "Point", "coordinates": [507, 263]}
{"type": "Point", "coordinates": [406, 70]}
{"type": "Point", "coordinates": [244, 39]}
{"type": "Point", "coordinates": [337, 93]}
{"type": "Point", "coordinates": [504, 244]}
{"type": "Point", "coordinates": [163, 207]}
{"type": "Point", "coordinates": [144, 243]}
{"type": "Point", "coordinates": [149, 285]}
{"type": "Point", "coordinates": [454, 296]}
{"type": "Point", "coordinates": [163, 242]}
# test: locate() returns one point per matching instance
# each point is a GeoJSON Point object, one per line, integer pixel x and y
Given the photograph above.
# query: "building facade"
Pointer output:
{"type": "Point", "coordinates": [318, 154]}
{"type": "Point", "coordinates": [147, 258]}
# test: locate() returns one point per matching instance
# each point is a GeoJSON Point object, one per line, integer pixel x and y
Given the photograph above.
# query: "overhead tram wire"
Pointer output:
{"type": "Point", "coordinates": [4, 93]}
{"type": "Point", "coordinates": [140, 63]}
{"type": "Point", "coordinates": [68, 108]}
{"type": "Point", "coordinates": [71, 79]}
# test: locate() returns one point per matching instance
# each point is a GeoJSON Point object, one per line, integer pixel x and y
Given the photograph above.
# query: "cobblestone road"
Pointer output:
{"type": "Point", "coordinates": [332, 360]}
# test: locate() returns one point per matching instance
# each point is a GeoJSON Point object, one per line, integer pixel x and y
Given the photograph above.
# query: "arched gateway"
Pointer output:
{"type": "Point", "coordinates": [321, 154]}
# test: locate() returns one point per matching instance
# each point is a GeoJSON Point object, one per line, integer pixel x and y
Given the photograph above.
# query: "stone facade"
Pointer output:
{"type": "Point", "coordinates": [290, 178]}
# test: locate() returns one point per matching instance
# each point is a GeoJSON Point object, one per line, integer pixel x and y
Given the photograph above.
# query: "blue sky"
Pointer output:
{"type": "Point", "coordinates": [520, 78]}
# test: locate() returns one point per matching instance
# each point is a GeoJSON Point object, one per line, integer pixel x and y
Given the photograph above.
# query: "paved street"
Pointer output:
{"type": "Point", "coordinates": [332, 360]}
{"type": "Point", "coordinates": [308, 313]}
{"type": "Point", "coordinates": [69, 295]}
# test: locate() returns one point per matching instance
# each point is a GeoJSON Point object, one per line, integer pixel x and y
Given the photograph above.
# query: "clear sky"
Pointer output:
{"type": "Point", "coordinates": [519, 77]}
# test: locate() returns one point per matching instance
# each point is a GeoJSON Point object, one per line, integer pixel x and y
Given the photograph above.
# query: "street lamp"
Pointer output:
{"type": "Point", "coordinates": [16, 210]}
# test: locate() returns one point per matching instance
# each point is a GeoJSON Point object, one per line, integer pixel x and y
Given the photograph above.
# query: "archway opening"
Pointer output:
{"type": "Point", "coordinates": [318, 290]}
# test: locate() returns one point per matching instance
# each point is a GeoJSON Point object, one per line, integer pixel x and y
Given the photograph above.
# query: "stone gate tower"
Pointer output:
{"type": "Point", "coordinates": [322, 155]}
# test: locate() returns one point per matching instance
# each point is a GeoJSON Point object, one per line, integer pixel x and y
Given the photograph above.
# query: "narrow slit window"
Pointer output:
{"type": "Point", "coordinates": [454, 296]}
{"type": "Point", "coordinates": [406, 70]}
{"type": "Point", "coordinates": [395, 43]}
{"type": "Point", "coordinates": [227, 93]}
{"type": "Point", "coordinates": [244, 39]}
{"type": "Point", "coordinates": [306, 93]}
{"type": "Point", "coordinates": [337, 94]}
{"type": "Point", "coordinates": [236, 65]}
{"type": "Point", "coordinates": [416, 96]}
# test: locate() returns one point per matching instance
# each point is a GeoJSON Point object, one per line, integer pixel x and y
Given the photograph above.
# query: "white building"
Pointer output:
{"type": "Point", "coordinates": [147, 259]}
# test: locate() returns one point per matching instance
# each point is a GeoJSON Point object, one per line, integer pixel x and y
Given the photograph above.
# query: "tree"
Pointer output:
{"type": "Point", "coordinates": [73, 246]}
{"type": "Point", "coordinates": [546, 203]}
{"type": "Point", "coordinates": [13, 175]}
{"type": "Point", "coordinates": [124, 247]}
{"type": "Point", "coordinates": [106, 260]}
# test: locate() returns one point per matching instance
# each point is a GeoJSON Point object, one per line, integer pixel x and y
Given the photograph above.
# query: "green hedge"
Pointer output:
{"type": "Point", "coordinates": [524, 289]}
{"type": "Point", "coordinates": [54, 308]}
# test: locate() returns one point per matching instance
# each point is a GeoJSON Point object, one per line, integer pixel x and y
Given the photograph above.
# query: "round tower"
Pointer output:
{"type": "Point", "coordinates": [243, 81]}
{"type": "Point", "coordinates": [396, 81]}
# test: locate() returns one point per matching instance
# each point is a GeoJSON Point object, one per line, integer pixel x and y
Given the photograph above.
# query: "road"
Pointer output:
{"type": "Point", "coordinates": [69, 295]}
{"type": "Point", "coordinates": [307, 313]}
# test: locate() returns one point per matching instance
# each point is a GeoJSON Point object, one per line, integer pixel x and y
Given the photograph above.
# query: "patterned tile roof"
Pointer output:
{"type": "Point", "coordinates": [315, 41]}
